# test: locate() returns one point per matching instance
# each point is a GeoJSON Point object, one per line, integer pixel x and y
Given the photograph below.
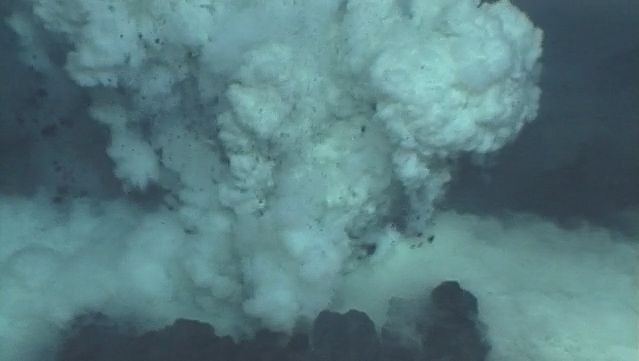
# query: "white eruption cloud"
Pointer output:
{"type": "Point", "coordinates": [283, 135]}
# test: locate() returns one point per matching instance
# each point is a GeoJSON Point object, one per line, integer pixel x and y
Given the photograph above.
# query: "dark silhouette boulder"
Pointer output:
{"type": "Point", "coordinates": [344, 337]}
{"type": "Point", "coordinates": [453, 333]}
{"type": "Point", "coordinates": [184, 340]}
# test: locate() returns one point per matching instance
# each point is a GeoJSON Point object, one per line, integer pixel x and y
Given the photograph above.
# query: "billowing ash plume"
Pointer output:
{"type": "Point", "coordinates": [285, 138]}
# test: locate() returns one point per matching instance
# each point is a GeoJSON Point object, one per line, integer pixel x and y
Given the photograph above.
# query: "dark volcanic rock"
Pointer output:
{"type": "Point", "coordinates": [450, 300]}
{"type": "Point", "coordinates": [184, 340]}
{"type": "Point", "coordinates": [441, 327]}
{"type": "Point", "coordinates": [453, 332]}
{"type": "Point", "coordinates": [347, 337]}
{"type": "Point", "coordinates": [265, 346]}
{"type": "Point", "coordinates": [93, 338]}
